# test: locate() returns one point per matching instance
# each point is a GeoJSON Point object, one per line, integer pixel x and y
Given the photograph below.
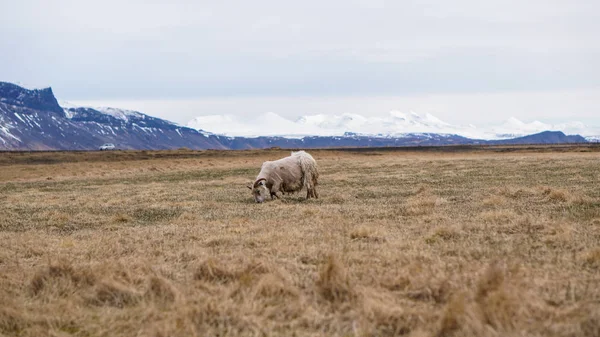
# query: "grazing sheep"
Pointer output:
{"type": "Point", "coordinates": [289, 174]}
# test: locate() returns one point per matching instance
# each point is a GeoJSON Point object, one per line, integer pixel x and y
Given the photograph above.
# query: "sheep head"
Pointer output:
{"type": "Point", "coordinates": [259, 190]}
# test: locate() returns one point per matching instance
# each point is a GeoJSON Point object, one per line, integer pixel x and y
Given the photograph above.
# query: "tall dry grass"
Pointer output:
{"type": "Point", "coordinates": [400, 243]}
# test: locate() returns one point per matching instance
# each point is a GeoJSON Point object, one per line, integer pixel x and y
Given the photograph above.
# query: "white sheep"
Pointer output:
{"type": "Point", "coordinates": [289, 174]}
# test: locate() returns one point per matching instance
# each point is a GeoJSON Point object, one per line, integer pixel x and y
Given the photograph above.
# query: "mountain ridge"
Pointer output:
{"type": "Point", "coordinates": [34, 120]}
{"type": "Point", "coordinates": [395, 124]}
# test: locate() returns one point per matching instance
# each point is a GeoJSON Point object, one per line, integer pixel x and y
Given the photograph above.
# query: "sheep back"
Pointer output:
{"type": "Point", "coordinates": [283, 175]}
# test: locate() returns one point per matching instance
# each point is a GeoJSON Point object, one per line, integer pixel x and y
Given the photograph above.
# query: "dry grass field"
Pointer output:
{"type": "Point", "coordinates": [496, 242]}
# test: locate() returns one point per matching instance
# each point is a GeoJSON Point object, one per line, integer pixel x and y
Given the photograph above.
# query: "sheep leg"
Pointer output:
{"type": "Point", "coordinates": [314, 189]}
{"type": "Point", "coordinates": [274, 189]}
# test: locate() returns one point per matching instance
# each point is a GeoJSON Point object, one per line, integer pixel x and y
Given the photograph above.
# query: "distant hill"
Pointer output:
{"type": "Point", "coordinates": [34, 120]}
{"type": "Point", "coordinates": [546, 137]}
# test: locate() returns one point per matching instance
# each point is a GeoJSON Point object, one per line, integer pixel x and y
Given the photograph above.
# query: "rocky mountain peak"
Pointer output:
{"type": "Point", "coordinates": [37, 99]}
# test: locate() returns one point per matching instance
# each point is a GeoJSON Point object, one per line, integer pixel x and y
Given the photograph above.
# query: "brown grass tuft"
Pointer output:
{"type": "Point", "coordinates": [258, 268]}
{"type": "Point", "coordinates": [490, 281]}
{"type": "Point", "coordinates": [59, 218]}
{"type": "Point", "coordinates": [494, 201]}
{"type": "Point", "coordinates": [443, 233]}
{"type": "Point", "coordinates": [361, 233]}
{"type": "Point", "coordinates": [419, 205]}
{"type": "Point", "coordinates": [422, 189]}
{"type": "Point", "coordinates": [497, 306]}
{"type": "Point", "coordinates": [454, 316]}
{"type": "Point", "coordinates": [385, 319]}
{"type": "Point", "coordinates": [498, 216]}
{"type": "Point", "coordinates": [161, 291]}
{"type": "Point", "coordinates": [115, 294]}
{"type": "Point", "coordinates": [516, 192]}
{"type": "Point", "coordinates": [275, 287]}
{"type": "Point", "coordinates": [60, 279]}
{"type": "Point", "coordinates": [122, 218]}
{"type": "Point", "coordinates": [338, 199]}
{"type": "Point", "coordinates": [334, 283]}
{"type": "Point", "coordinates": [591, 258]}
{"type": "Point", "coordinates": [12, 321]}
{"type": "Point", "coordinates": [557, 195]}
{"type": "Point", "coordinates": [211, 271]}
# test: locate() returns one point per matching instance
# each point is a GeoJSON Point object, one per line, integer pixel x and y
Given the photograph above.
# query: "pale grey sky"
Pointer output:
{"type": "Point", "coordinates": [465, 60]}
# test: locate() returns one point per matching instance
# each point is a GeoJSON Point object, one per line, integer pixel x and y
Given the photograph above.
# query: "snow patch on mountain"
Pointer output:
{"type": "Point", "coordinates": [122, 114]}
{"type": "Point", "coordinates": [66, 108]}
{"type": "Point", "coordinates": [593, 139]}
{"type": "Point", "coordinates": [6, 126]}
{"type": "Point", "coordinates": [266, 124]}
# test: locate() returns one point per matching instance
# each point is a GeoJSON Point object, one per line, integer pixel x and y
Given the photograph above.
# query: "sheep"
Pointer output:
{"type": "Point", "coordinates": [289, 174]}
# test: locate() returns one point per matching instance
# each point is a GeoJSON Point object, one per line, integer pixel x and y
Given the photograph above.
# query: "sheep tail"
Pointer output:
{"type": "Point", "coordinates": [308, 165]}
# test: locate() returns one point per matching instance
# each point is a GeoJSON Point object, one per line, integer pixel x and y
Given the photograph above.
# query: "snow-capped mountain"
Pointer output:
{"type": "Point", "coordinates": [272, 124]}
{"type": "Point", "coordinates": [395, 124]}
{"type": "Point", "coordinates": [263, 125]}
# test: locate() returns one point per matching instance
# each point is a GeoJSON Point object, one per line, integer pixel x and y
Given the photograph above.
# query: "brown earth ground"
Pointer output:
{"type": "Point", "coordinates": [495, 241]}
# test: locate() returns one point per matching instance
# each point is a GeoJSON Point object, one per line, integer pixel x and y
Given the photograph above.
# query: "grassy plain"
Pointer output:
{"type": "Point", "coordinates": [483, 242]}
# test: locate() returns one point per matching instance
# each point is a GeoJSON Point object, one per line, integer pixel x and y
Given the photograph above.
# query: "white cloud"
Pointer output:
{"type": "Point", "coordinates": [430, 52]}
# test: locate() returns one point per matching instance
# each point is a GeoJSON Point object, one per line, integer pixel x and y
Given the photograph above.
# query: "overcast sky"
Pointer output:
{"type": "Point", "coordinates": [465, 61]}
